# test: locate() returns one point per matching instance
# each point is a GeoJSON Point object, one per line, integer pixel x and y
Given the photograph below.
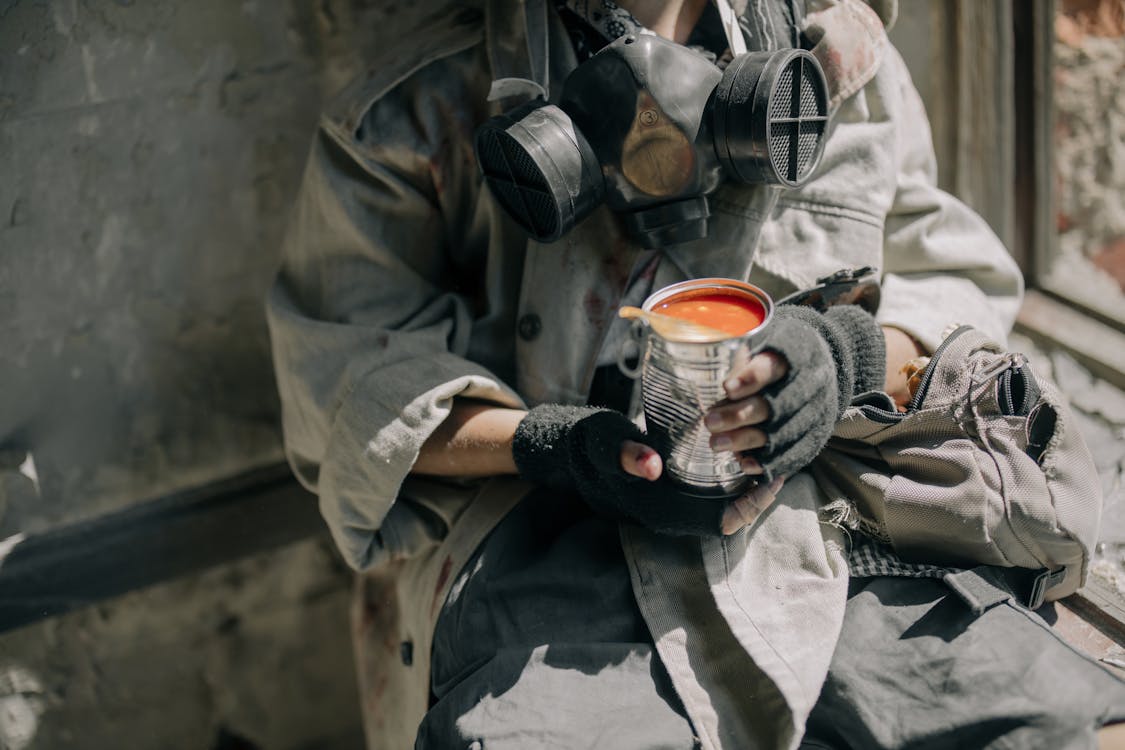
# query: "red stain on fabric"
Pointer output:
{"type": "Point", "coordinates": [595, 308]}
{"type": "Point", "coordinates": [618, 263]}
{"type": "Point", "coordinates": [377, 616]}
{"type": "Point", "coordinates": [835, 59]}
{"type": "Point", "coordinates": [375, 702]}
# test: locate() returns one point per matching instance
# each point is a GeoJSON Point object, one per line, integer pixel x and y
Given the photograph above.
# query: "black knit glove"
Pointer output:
{"type": "Point", "coordinates": [833, 356]}
{"type": "Point", "coordinates": [578, 448]}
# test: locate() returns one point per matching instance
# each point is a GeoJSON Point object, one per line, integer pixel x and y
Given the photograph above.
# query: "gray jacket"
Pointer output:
{"type": "Point", "coordinates": [404, 286]}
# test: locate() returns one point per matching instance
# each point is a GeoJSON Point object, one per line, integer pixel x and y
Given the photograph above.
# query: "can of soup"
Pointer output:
{"type": "Point", "coordinates": [681, 379]}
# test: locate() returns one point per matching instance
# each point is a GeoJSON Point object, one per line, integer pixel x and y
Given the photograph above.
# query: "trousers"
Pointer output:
{"type": "Point", "coordinates": [541, 644]}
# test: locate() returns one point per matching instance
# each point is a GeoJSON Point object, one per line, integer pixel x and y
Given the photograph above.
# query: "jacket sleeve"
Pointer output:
{"type": "Point", "coordinates": [369, 341]}
{"type": "Point", "coordinates": [943, 264]}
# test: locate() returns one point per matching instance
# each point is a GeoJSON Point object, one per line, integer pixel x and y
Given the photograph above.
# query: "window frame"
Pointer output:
{"type": "Point", "coordinates": [986, 71]}
{"type": "Point", "coordinates": [1048, 315]}
{"type": "Point", "coordinates": [1091, 336]}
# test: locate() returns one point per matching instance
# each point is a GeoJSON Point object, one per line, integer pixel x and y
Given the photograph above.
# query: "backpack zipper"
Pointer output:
{"type": "Point", "coordinates": [887, 417]}
{"type": "Point", "coordinates": [928, 374]}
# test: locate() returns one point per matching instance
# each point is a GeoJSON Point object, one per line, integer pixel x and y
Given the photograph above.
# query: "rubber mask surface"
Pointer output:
{"type": "Point", "coordinates": [650, 128]}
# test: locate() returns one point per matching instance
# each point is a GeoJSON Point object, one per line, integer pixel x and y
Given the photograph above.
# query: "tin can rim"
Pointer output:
{"type": "Point", "coordinates": [692, 285]}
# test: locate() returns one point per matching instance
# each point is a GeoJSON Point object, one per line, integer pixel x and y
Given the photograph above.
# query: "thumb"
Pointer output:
{"type": "Point", "coordinates": [745, 510]}
{"type": "Point", "coordinates": [640, 460]}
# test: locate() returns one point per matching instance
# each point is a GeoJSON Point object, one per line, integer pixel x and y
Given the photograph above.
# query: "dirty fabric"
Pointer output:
{"type": "Point", "coordinates": [915, 668]}
{"type": "Point", "coordinates": [404, 287]}
{"type": "Point", "coordinates": [541, 644]}
{"type": "Point", "coordinates": [516, 664]}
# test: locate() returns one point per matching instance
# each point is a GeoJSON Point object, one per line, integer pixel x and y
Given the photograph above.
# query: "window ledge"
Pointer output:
{"type": "Point", "coordinates": [1097, 346]}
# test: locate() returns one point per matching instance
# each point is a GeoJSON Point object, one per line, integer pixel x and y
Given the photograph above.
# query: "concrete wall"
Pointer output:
{"type": "Point", "coordinates": [148, 153]}
{"type": "Point", "coordinates": [250, 655]}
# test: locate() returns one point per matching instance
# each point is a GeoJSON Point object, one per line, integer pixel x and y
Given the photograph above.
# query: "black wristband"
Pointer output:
{"type": "Point", "coordinates": [578, 448]}
{"type": "Point", "coordinates": [541, 446]}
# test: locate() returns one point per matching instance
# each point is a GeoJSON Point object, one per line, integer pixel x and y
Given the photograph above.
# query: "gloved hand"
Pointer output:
{"type": "Point", "coordinates": [579, 448]}
{"type": "Point", "coordinates": [780, 411]}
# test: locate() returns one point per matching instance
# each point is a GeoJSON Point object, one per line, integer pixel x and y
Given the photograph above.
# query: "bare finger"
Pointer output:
{"type": "Point", "coordinates": [749, 508]}
{"type": "Point", "coordinates": [744, 439]}
{"type": "Point", "coordinates": [760, 371]}
{"type": "Point", "coordinates": [640, 460]}
{"type": "Point", "coordinates": [750, 465]}
{"type": "Point", "coordinates": [748, 411]}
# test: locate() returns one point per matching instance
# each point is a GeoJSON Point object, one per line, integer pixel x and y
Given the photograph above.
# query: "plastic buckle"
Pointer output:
{"type": "Point", "coordinates": [1041, 584]}
{"type": "Point", "coordinates": [848, 286]}
{"type": "Point", "coordinates": [845, 275]}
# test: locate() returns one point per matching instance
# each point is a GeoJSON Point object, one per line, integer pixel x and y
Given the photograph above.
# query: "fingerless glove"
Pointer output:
{"type": "Point", "coordinates": [578, 448]}
{"type": "Point", "coordinates": [833, 356]}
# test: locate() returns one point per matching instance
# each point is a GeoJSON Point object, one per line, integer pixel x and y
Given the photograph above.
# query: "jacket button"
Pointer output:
{"type": "Point", "coordinates": [529, 327]}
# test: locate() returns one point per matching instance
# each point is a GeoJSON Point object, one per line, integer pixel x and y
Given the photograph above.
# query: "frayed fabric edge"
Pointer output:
{"type": "Point", "coordinates": [844, 515]}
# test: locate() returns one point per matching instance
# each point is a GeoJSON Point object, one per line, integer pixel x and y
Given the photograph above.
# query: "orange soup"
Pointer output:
{"type": "Point", "coordinates": [731, 312]}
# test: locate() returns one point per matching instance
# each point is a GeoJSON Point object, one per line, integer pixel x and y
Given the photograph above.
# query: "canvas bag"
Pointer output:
{"type": "Point", "coordinates": [986, 466]}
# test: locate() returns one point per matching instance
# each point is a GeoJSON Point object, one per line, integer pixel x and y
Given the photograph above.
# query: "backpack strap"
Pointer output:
{"type": "Point", "coordinates": [985, 586]}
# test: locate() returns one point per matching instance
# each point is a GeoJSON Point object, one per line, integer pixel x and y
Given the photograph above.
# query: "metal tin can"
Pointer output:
{"type": "Point", "coordinates": [681, 381]}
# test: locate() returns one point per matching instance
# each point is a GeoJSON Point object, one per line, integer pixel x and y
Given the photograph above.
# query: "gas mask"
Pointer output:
{"type": "Point", "coordinates": [651, 128]}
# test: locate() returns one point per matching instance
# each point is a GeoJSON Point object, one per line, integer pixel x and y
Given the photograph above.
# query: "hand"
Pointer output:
{"type": "Point", "coordinates": [642, 461]}
{"type": "Point", "coordinates": [606, 459]}
{"type": "Point", "coordinates": [781, 406]}
{"type": "Point", "coordinates": [735, 422]}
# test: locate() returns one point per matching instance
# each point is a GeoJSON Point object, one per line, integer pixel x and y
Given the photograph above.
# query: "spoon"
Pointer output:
{"type": "Point", "coordinates": [673, 328]}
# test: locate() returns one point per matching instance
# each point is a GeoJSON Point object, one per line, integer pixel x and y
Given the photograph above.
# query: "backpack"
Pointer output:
{"type": "Point", "coordinates": [985, 467]}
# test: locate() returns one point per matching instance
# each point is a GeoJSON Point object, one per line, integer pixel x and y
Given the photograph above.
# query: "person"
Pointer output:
{"type": "Point", "coordinates": [528, 576]}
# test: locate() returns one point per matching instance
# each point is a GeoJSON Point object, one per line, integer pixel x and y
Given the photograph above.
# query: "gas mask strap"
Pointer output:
{"type": "Point", "coordinates": [797, 17]}
{"type": "Point", "coordinates": [519, 76]}
{"type": "Point", "coordinates": [731, 27]}
{"type": "Point", "coordinates": [538, 42]}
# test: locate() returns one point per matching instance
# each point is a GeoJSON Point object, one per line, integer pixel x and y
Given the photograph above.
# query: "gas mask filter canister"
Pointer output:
{"type": "Point", "coordinates": [650, 128]}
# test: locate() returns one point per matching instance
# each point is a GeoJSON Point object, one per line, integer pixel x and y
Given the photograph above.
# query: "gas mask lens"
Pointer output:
{"type": "Point", "coordinates": [651, 128]}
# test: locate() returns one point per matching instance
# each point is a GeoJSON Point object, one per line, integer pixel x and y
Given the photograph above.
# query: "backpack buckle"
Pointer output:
{"type": "Point", "coordinates": [1041, 584]}
{"type": "Point", "coordinates": [985, 586]}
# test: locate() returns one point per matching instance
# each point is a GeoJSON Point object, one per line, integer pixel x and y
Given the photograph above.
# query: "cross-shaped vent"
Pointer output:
{"type": "Point", "coordinates": [798, 116]}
